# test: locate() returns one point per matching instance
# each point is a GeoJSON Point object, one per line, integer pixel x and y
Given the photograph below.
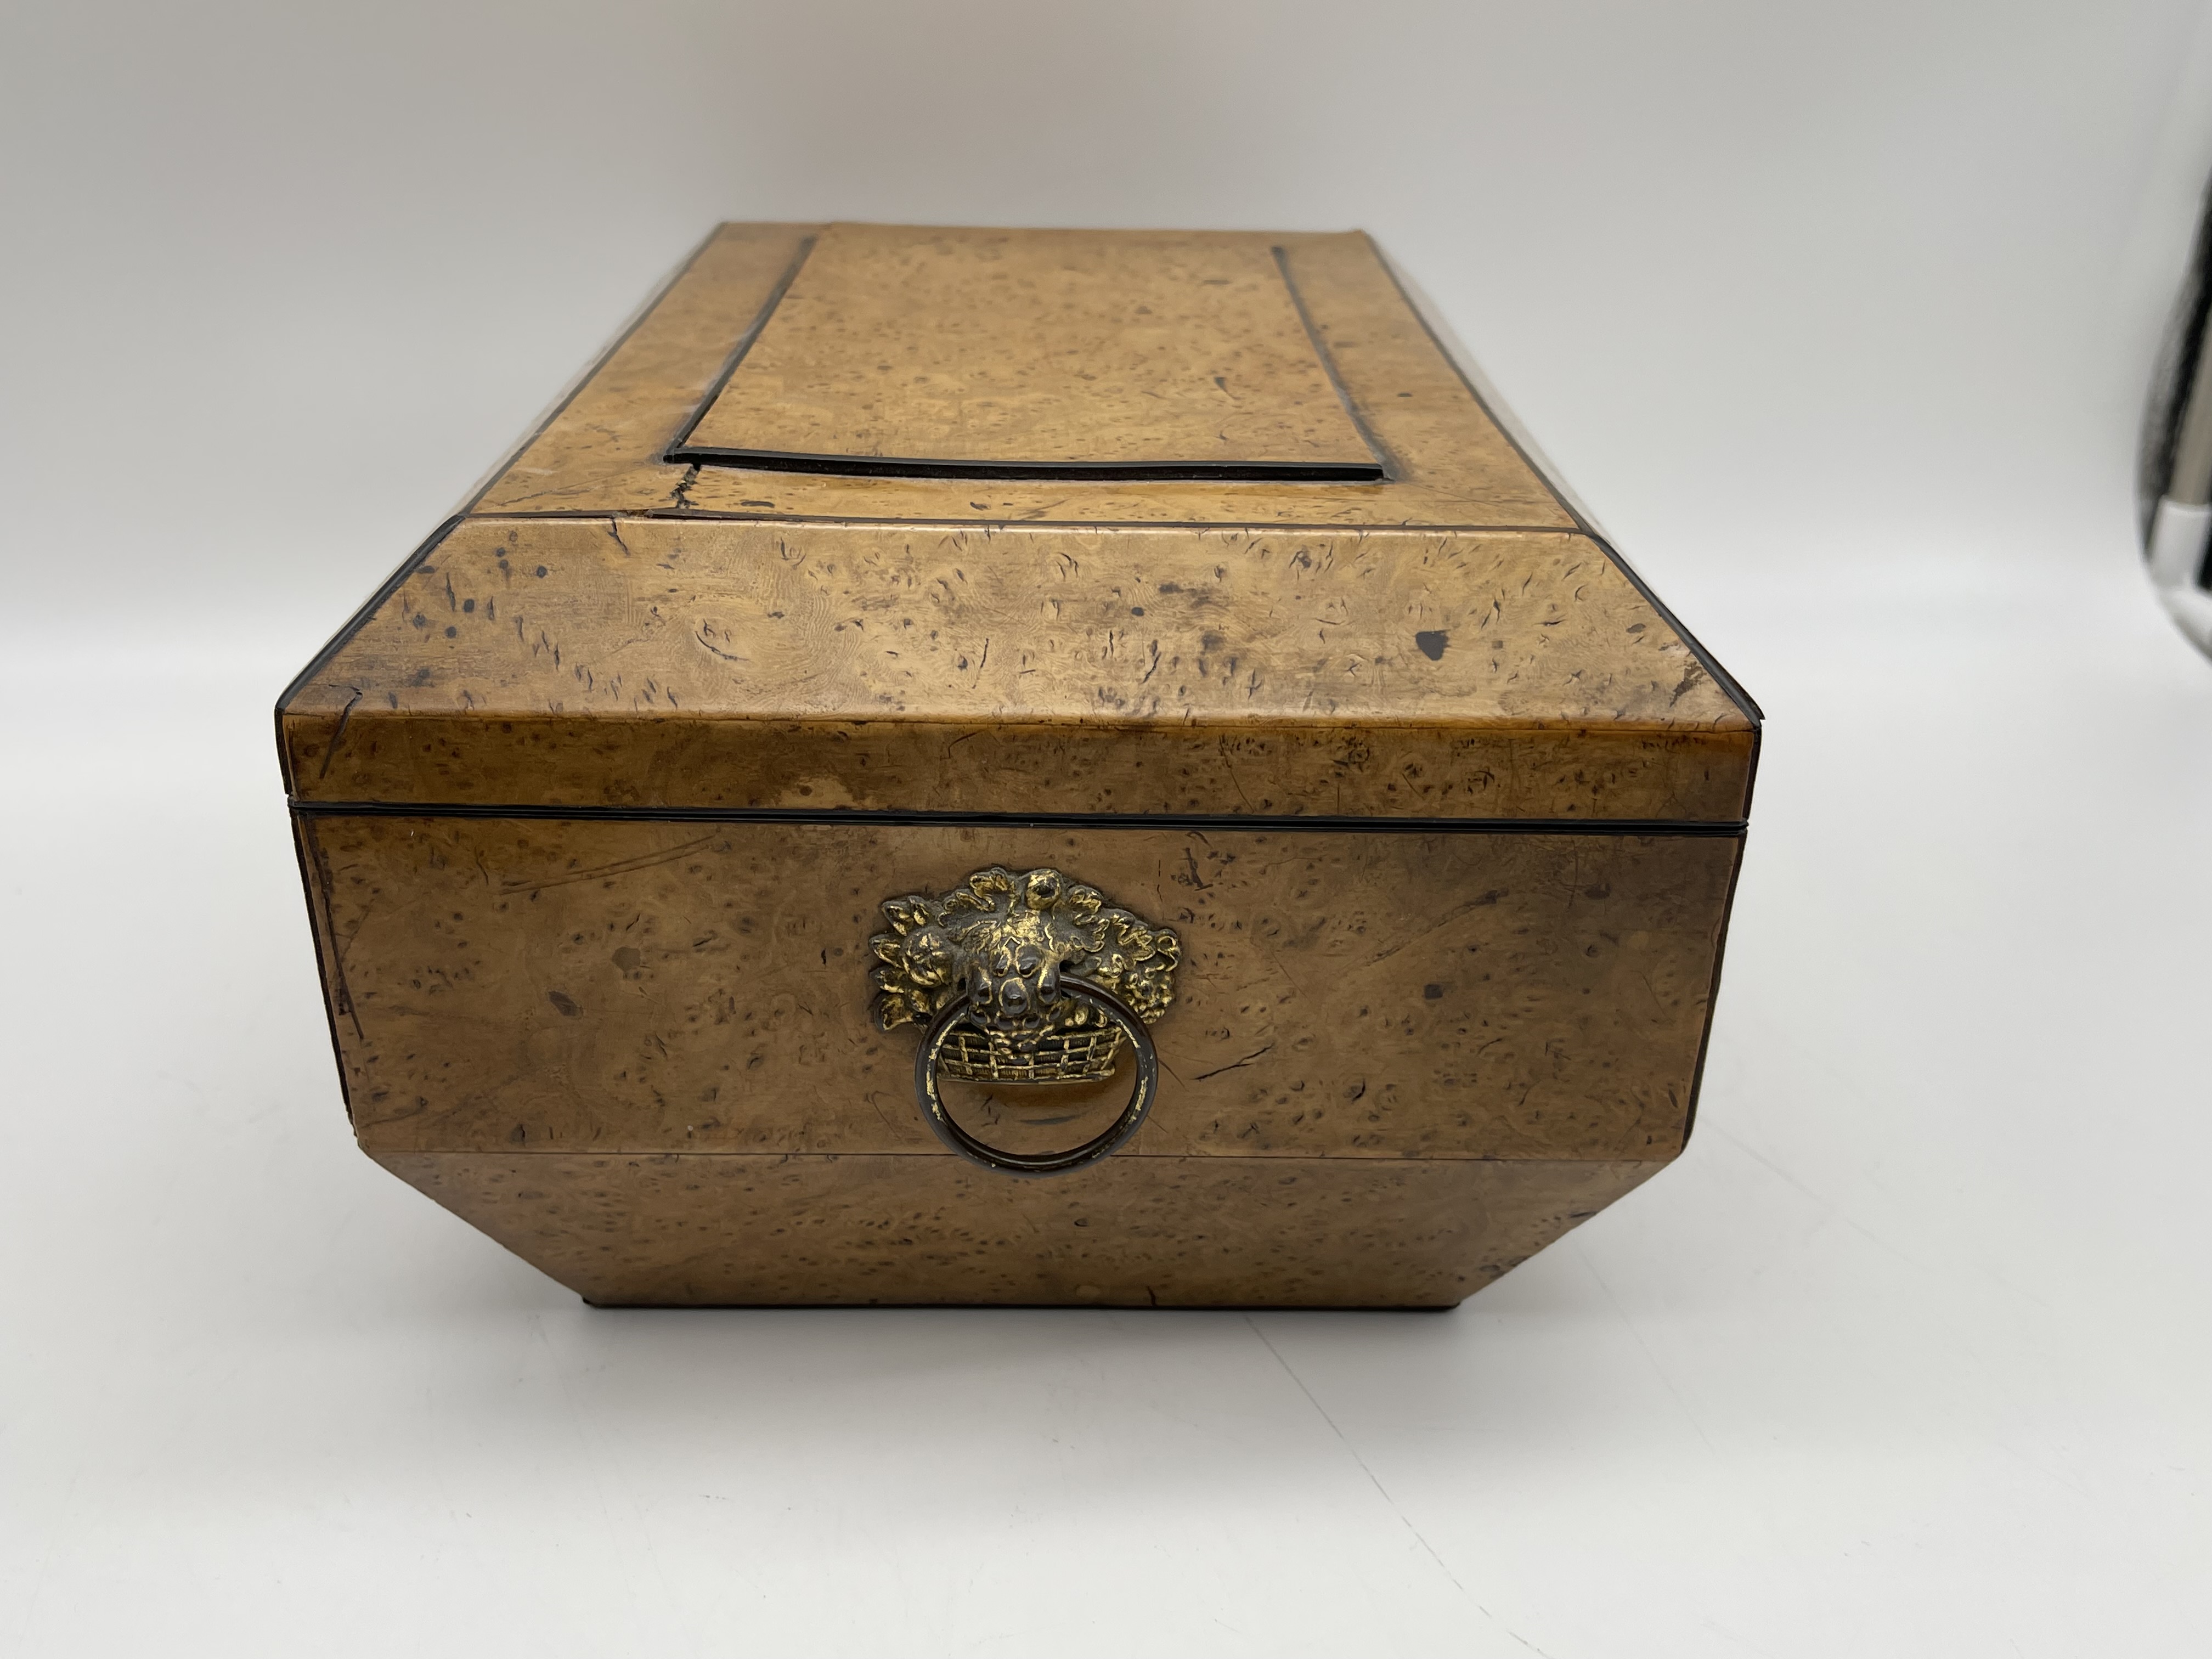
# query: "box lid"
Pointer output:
{"type": "Point", "coordinates": [1026, 523]}
{"type": "Point", "coordinates": [997, 353]}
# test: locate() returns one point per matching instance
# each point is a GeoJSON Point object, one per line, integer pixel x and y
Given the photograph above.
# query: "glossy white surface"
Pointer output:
{"type": "Point", "coordinates": [1909, 1355]}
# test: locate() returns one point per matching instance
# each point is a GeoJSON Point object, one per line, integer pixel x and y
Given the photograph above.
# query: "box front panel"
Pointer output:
{"type": "Point", "coordinates": [607, 986]}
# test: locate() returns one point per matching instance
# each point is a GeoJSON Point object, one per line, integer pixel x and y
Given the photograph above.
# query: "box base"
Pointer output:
{"type": "Point", "coordinates": [743, 1229]}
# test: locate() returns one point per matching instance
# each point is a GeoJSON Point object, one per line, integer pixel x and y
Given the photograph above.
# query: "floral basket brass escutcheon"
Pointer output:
{"type": "Point", "coordinates": [1027, 978]}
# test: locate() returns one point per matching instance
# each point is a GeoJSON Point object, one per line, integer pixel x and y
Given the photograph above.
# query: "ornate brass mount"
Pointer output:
{"type": "Point", "coordinates": [1025, 979]}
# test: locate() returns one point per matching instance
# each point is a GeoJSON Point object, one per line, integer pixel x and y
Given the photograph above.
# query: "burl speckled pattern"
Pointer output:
{"type": "Point", "coordinates": [708, 1230]}
{"type": "Point", "coordinates": [1035, 346]}
{"type": "Point", "coordinates": [667, 664]}
{"type": "Point", "coordinates": [604, 453]}
{"type": "Point", "coordinates": [600, 797]}
{"type": "Point", "coordinates": [622, 987]}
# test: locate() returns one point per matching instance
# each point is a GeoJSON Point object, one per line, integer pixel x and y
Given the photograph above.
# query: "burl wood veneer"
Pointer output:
{"type": "Point", "coordinates": [1180, 574]}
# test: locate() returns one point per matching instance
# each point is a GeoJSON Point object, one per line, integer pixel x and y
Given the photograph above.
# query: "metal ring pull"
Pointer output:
{"type": "Point", "coordinates": [1116, 1011]}
{"type": "Point", "coordinates": [1022, 979]}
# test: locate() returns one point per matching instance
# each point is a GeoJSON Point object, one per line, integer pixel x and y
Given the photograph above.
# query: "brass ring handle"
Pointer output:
{"type": "Point", "coordinates": [1021, 1163]}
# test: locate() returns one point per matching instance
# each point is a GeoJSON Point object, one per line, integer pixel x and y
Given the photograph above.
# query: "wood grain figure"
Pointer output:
{"type": "Point", "coordinates": [1177, 573]}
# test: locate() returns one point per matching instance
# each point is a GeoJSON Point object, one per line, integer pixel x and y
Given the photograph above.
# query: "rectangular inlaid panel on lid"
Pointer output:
{"type": "Point", "coordinates": [1034, 354]}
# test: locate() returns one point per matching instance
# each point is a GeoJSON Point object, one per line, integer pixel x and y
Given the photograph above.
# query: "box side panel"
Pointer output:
{"type": "Point", "coordinates": [598, 985]}
{"type": "Point", "coordinates": [707, 1229]}
{"type": "Point", "coordinates": [315, 888]}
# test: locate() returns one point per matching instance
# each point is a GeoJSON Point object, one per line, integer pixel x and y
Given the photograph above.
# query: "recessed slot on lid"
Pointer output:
{"type": "Point", "coordinates": [996, 354]}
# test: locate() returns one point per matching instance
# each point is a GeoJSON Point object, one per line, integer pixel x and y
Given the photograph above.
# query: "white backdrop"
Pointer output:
{"type": "Point", "coordinates": [1838, 317]}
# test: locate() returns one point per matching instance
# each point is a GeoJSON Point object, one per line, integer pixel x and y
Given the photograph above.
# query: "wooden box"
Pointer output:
{"type": "Point", "coordinates": [980, 766]}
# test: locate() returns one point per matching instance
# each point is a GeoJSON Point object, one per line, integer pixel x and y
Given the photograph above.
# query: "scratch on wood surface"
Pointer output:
{"type": "Point", "coordinates": [620, 868]}
{"type": "Point", "coordinates": [1232, 1065]}
{"type": "Point", "coordinates": [1443, 921]}
{"type": "Point", "coordinates": [330, 751]}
